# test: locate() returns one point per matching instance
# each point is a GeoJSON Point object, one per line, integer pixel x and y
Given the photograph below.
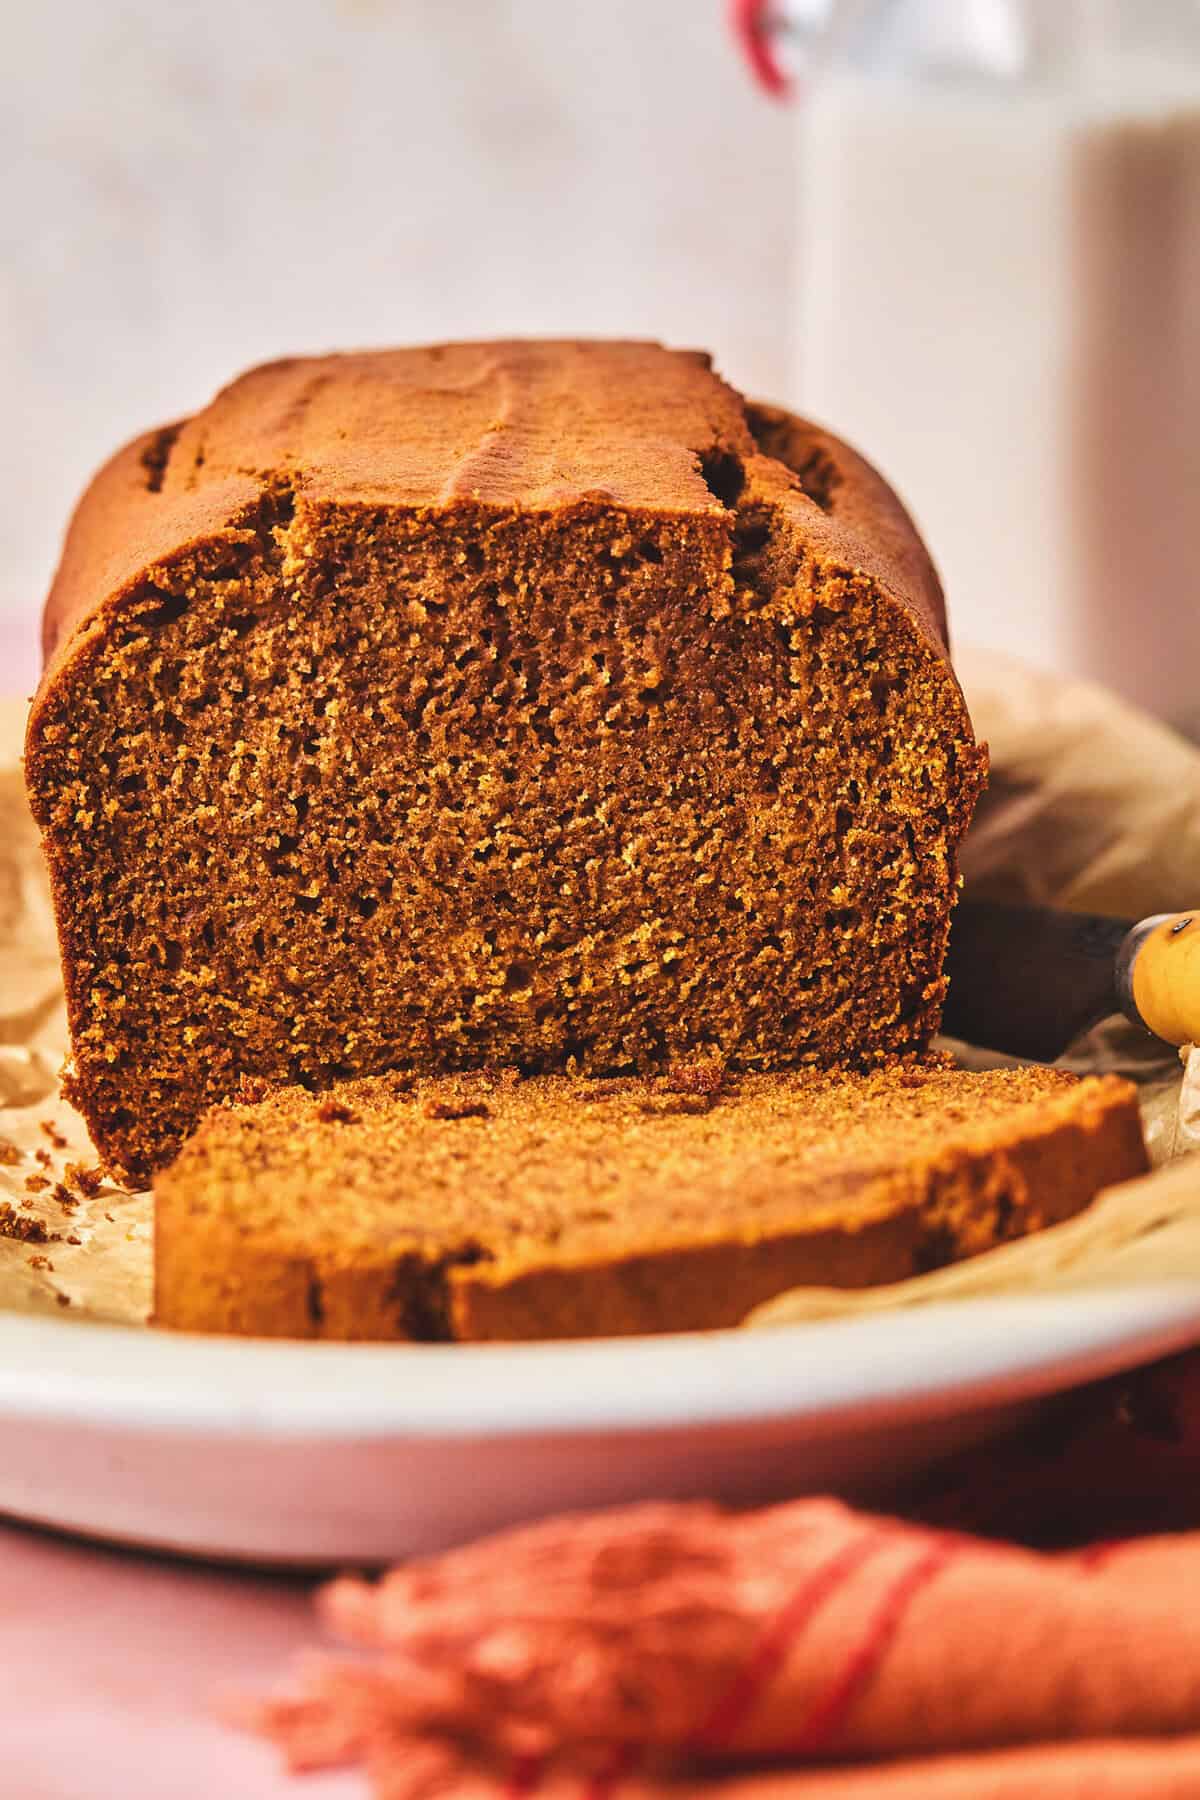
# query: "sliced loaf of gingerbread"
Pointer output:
{"type": "Point", "coordinates": [542, 703]}
{"type": "Point", "coordinates": [478, 1207]}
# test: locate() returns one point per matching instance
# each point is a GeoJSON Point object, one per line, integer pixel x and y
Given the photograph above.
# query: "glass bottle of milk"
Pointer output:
{"type": "Point", "coordinates": [1000, 300]}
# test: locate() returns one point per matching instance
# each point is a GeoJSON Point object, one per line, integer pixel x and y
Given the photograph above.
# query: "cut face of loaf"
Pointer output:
{"type": "Point", "coordinates": [480, 1206]}
{"type": "Point", "coordinates": [540, 704]}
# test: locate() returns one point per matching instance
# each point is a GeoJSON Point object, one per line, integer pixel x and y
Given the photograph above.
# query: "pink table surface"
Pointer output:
{"type": "Point", "coordinates": [112, 1666]}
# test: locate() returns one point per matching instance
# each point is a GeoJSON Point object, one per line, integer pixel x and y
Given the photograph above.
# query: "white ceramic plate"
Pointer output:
{"type": "Point", "coordinates": [330, 1453]}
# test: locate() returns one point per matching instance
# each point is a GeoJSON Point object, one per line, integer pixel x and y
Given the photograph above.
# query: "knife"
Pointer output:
{"type": "Point", "coordinates": [1028, 979]}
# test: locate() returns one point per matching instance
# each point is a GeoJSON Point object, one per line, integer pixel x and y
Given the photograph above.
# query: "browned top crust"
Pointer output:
{"type": "Point", "coordinates": [532, 425]}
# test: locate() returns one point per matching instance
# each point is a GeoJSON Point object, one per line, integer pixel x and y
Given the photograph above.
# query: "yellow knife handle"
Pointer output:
{"type": "Point", "coordinates": [1158, 976]}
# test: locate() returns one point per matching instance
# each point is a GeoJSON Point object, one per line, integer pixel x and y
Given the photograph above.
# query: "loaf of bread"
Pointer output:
{"type": "Point", "coordinates": [530, 703]}
{"type": "Point", "coordinates": [484, 1206]}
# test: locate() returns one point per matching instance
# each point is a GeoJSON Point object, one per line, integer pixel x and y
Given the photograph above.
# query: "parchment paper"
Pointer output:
{"type": "Point", "coordinates": [106, 1273]}
{"type": "Point", "coordinates": [1091, 805]}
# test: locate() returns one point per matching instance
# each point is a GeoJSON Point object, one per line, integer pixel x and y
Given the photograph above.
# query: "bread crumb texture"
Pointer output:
{"type": "Point", "coordinates": [484, 1206]}
{"type": "Point", "coordinates": [541, 704]}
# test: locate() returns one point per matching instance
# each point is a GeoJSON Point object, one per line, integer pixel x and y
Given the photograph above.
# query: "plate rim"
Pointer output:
{"type": "Point", "coordinates": [838, 1371]}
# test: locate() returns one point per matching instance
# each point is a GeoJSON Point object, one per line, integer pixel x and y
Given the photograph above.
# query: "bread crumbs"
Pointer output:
{"type": "Point", "coordinates": [24, 1231]}
{"type": "Point", "coordinates": [456, 1109]}
{"type": "Point", "coordinates": [336, 1112]}
{"type": "Point", "coordinates": [85, 1181]}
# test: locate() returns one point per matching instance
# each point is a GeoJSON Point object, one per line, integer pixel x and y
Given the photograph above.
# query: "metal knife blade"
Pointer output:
{"type": "Point", "coordinates": [1026, 979]}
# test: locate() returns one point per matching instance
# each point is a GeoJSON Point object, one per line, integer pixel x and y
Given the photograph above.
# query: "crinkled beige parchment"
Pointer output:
{"type": "Point", "coordinates": [1091, 805]}
{"type": "Point", "coordinates": [106, 1275]}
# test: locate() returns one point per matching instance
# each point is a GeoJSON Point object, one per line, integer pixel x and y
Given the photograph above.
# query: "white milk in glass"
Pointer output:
{"type": "Point", "coordinates": [1000, 300]}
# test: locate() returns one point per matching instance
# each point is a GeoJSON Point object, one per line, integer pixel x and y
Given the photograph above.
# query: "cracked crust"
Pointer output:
{"type": "Point", "coordinates": [541, 425]}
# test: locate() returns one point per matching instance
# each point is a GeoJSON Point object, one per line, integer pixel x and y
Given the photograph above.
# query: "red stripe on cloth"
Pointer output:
{"type": "Point", "coordinates": [525, 1777]}
{"type": "Point", "coordinates": [781, 1634]}
{"type": "Point", "coordinates": [829, 1714]}
{"type": "Point", "coordinates": [604, 1783]}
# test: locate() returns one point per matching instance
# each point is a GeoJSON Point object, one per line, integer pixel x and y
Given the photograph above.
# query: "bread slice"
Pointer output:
{"type": "Point", "coordinates": [484, 1206]}
{"type": "Point", "coordinates": [536, 703]}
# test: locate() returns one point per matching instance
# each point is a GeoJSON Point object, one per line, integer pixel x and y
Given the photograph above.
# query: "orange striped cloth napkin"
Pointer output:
{"type": "Point", "coordinates": [805, 1651]}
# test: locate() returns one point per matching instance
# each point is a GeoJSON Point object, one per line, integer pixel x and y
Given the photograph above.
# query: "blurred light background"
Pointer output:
{"type": "Point", "coordinates": [973, 245]}
{"type": "Point", "coordinates": [197, 185]}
